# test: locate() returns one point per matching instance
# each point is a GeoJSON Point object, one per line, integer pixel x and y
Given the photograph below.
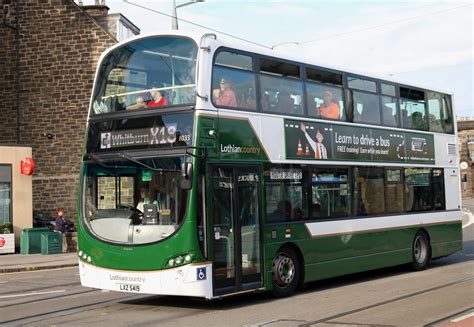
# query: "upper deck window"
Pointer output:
{"type": "Point", "coordinates": [322, 76]}
{"type": "Point", "coordinates": [413, 109]}
{"type": "Point", "coordinates": [281, 89]}
{"type": "Point", "coordinates": [439, 114]}
{"type": "Point", "coordinates": [361, 84]}
{"type": "Point", "coordinates": [233, 82]}
{"type": "Point", "coordinates": [279, 68]}
{"type": "Point", "coordinates": [234, 60]}
{"type": "Point", "coordinates": [147, 73]}
{"type": "Point", "coordinates": [388, 89]}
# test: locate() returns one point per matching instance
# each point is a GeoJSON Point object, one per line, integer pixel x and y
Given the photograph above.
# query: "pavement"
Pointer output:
{"type": "Point", "coordinates": [18, 262]}
{"type": "Point", "coordinates": [467, 201]}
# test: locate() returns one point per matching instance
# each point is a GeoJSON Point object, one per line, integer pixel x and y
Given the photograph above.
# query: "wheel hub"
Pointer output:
{"type": "Point", "coordinates": [420, 250]}
{"type": "Point", "coordinates": [283, 270]}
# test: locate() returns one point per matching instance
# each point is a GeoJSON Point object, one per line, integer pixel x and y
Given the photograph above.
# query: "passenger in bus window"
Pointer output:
{"type": "Point", "coordinates": [250, 102]}
{"type": "Point", "coordinates": [435, 124]}
{"type": "Point", "coordinates": [225, 96]}
{"type": "Point", "coordinates": [298, 214]}
{"type": "Point", "coordinates": [418, 121]}
{"type": "Point", "coordinates": [316, 210]}
{"type": "Point", "coordinates": [282, 213]}
{"type": "Point", "coordinates": [266, 102]}
{"type": "Point", "coordinates": [158, 99]}
{"type": "Point", "coordinates": [139, 104]}
{"type": "Point", "coordinates": [388, 118]}
{"type": "Point", "coordinates": [285, 103]}
{"type": "Point", "coordinates": [329, 108]}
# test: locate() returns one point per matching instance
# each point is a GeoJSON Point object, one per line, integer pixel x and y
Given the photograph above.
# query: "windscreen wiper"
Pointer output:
{"type": "Point", "coordinates": [160, 170]}
{"type": "Point", "coordinates": [92, 157]}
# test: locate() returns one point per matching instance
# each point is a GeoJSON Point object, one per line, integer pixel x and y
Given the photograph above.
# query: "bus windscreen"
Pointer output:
{"type": "Point", "coordinates": [148, 73]}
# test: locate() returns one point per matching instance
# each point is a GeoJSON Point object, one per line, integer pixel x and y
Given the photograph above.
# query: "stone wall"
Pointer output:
{"type": "Point", "coordinates": [59, 48]}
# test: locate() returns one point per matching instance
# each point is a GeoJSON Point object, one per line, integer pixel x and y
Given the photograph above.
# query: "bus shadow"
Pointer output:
{"type": "Point", "coordinates": [249, 299]}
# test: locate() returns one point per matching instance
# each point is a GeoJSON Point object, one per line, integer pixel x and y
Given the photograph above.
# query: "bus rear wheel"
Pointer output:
{"type": "Point", "coordinates": [421, 251]}
{"type": "Point", "coordinates": [286, 272]}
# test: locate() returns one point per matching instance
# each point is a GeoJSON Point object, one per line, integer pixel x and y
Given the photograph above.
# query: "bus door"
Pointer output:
{"type": "Point", "coordinates": [235, 219]}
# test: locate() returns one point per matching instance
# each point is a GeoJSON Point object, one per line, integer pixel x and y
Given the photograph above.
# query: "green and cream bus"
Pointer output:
{"type": "Point", "coordinates": [213, 168]}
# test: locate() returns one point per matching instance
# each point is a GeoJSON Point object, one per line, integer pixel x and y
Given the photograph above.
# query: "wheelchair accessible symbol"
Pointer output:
{"type": "Point", "coordinates": [201, 273]}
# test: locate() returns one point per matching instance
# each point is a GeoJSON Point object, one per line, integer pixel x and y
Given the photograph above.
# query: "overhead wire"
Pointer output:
{"type": "Point", "coordinates": [382, 25]}
{"type": "Point", "coordinates": [198, 25]}
{"type": "Point", "coordinates": [302, 42]}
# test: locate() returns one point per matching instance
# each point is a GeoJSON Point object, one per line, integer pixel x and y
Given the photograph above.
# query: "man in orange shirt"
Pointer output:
{"type": "Point", "coordinates": [329, 108]}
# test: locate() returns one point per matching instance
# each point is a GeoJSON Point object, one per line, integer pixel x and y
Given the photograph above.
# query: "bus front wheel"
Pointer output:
{"type": "Point", "coordinates": [286, 272]}
{"type": "Point", "coordinates": [421, 251]}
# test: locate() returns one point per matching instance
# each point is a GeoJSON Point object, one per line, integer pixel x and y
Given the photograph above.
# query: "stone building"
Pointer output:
{"type": "Point", "coordinates": [48, 58]}
{"type": "Point", "coordinates": [466, 148]}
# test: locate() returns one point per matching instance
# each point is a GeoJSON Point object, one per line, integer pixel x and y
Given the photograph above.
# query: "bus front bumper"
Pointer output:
{"type": "Point", "coordinates": [188, 280]}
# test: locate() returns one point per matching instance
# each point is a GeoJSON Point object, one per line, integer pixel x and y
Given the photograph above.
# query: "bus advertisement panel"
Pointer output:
{"type": "Point", "coordinates": [322, 141]}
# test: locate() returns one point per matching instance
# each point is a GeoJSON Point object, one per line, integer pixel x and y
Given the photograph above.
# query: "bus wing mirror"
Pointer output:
{"type": "Point", "coordinates": [186, 176]}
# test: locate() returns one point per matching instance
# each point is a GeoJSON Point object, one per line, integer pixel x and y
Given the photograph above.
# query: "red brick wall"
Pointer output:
{"type": "Point", "coordinates": [60, 47]}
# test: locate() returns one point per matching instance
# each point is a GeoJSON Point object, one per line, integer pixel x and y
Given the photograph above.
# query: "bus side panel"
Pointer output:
{"type": "Point", "coordinates": [445, 239]}
{"type": "Point", "coordinates": [331, 256]}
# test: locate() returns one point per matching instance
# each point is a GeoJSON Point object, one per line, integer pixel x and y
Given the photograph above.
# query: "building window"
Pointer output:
{"type": "Point", "coordinates": [285, 194]}
{"type": "Point", "coordinates": [470, 139]}
{"type": "Point", "coordinates": [5, 194]}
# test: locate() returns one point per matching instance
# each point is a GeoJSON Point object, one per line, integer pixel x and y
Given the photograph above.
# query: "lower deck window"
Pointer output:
{"type": "Point", "coordinates": [329, 193]}
{"type": "Point", "coordinates": [369, 191]}
{"type": "Point", "coordinates": [295, 193]}
{"type": "Point", "coordinates": [285, 195]}
{"type": "Point", "coordinates": [418, 190]}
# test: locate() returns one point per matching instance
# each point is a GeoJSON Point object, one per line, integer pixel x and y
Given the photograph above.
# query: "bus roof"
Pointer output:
{"type": "Point", "coordinates": [267, 51]}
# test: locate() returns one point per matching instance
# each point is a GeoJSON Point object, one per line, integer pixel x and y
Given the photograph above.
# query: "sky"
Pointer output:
{"type": "Point", "coordinates": [427, 43]}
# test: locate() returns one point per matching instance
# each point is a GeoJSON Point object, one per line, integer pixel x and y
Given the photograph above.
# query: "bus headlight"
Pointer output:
{"type": "Point", "coordinates": [180, 260]}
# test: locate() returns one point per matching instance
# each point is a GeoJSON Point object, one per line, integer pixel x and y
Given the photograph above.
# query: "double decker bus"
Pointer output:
{"type": "Point", "coordinates": [213, 168]}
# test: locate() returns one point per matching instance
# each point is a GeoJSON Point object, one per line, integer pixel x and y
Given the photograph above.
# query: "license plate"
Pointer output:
{"type": "Point", "coordinates": [129, 288]}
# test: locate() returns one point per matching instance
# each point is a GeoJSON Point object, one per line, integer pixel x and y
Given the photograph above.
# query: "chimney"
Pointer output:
{"type": "Point", "coordinates": [97, 10]}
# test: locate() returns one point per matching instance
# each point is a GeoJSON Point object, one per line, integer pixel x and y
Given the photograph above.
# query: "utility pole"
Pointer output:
{"type": "Point", "coordinates": [174, 13]}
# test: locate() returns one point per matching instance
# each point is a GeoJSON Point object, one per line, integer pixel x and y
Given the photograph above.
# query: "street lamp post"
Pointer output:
{"type": "Point", "coordinates": [174, 20]}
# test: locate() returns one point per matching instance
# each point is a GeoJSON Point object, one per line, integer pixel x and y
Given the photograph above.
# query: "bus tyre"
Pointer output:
{"type": "Point", "coordinates": [286, 272]}
{"type": "Point", "coordinates": [421, 251]}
